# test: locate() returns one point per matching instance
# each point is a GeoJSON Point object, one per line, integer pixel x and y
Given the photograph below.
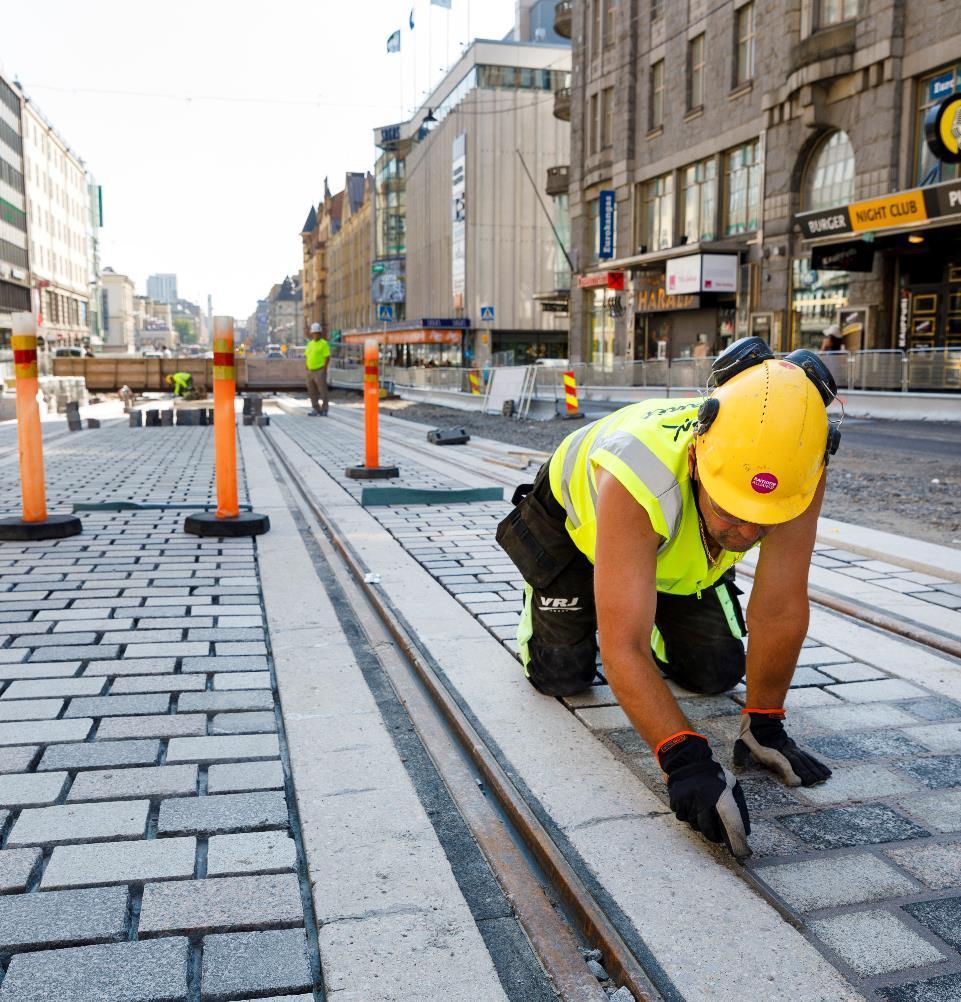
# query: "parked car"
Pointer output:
{"type": "Point", "coordinates": [68, 352]}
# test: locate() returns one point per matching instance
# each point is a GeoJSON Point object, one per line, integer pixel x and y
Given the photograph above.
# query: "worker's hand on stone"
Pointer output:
{"type": "Point", "coordinates": [763, 737]}
{"type": "Point", "coordinates": [703, 793]}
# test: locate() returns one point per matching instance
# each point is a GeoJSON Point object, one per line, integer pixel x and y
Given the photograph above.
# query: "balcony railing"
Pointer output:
{"type": "Point", "coordinates": [563, 17]}
{"type": "Point", "coordinates": [557, 179]}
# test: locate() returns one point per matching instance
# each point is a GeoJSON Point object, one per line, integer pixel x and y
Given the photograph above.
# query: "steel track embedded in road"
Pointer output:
{"type": "Point", "coordinates": [458, 750]}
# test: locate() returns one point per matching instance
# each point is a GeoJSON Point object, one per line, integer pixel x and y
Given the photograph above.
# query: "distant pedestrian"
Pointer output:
{"type": "Point", "coordinates": [832, 340]}
{"type": "Point", "coordinates": [316, 356]}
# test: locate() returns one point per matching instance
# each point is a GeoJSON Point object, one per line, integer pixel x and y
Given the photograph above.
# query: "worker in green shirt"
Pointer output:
{"type": "Point", "coordinates": [316, 355]}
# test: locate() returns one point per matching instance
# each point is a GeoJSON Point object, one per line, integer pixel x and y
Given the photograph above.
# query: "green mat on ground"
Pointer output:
{"type": "Point", "coordinates": [375, 497]}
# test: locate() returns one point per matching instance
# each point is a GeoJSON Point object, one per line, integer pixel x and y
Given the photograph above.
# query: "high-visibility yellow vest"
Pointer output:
{"type": "Point", "coordinates": [182, 381]}
{"type": "Point", "coordinates": [316, 354]}
{"type": "Point", "coordinates": [644, 446]}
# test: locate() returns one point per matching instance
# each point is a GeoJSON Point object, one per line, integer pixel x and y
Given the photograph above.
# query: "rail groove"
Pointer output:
{"type": "Point", "coordinates": [552, 940]}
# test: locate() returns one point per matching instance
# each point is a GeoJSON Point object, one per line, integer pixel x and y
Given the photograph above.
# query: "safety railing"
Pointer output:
{"type": "Point", "coordinates": [890, 370]}
{"type": "Point", "coordinates": [933, 369]}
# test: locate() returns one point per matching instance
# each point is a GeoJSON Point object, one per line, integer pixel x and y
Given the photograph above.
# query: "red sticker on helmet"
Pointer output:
{"type": "Point", "coordinates": [764, 483]}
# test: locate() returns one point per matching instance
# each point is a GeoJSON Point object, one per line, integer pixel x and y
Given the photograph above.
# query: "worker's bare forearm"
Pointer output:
{"type": "Point", "coordinates": [643, 695]}
{"type": "Point", "coordinates": [773, 648]}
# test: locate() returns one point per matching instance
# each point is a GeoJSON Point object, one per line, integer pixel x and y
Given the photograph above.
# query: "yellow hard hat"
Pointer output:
{"type": "Point", "coordinates": [765, 443]}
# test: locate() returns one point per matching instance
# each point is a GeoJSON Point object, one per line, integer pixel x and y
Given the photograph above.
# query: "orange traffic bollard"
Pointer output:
{"type": "Point", "coordinates": [570, 397]}
{"type": "Point", "coordinates": [371, 470]}
{"type": "Point", "coordinates": [228, 520]}
{"type": "Point", "coordinates": [35, 523]}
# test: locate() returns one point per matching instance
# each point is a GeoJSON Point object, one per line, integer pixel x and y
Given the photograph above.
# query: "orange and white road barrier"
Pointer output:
{"type": "Point", "coordinates": [228, 519]}
{"type": "Point", "coordinates": [570, 396]}
{"type": "Point", "coordinates": [475, 380]}
{"type": "Point", "coordinates": [35, 522]}
{"type": "Point", "coordinates": [371, 470]}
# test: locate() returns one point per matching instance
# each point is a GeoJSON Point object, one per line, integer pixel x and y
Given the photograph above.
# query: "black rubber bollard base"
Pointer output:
{"type": "Point", "coordinates": [247, 523]}
{"type": "Point", "coordinates": [55, 527]}
{"type": "Point", "coordinates": [372, 472]}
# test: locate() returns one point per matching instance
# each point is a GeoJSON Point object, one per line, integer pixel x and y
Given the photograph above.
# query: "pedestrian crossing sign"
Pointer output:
{"type": "Point", "coordinates": [385, 312]}
{"type": "Point", "coordinates": [487, 314]}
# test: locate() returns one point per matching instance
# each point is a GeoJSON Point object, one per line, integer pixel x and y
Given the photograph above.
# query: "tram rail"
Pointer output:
{"type": "Point", "coordinates": [512, 832]}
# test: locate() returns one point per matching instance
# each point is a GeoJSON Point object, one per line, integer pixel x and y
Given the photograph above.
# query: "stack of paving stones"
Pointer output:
{"type": "Point", "coordinates": [146, 847]}
{"type": "Point", "coordinates": [927, 587]}
{"type": "Point", "coordinates": [869, 862]}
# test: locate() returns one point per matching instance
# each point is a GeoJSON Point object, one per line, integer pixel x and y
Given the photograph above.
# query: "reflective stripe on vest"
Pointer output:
{"type": "Point", "coordinates": [645, 448]}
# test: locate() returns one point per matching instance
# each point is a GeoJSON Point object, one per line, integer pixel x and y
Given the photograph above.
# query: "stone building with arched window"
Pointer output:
{"type": "Point", "coordinates": [782, 143]}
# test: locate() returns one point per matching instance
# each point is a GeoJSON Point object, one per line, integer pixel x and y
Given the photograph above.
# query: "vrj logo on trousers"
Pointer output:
{"type": "Point", "coordinates": [560, 604]}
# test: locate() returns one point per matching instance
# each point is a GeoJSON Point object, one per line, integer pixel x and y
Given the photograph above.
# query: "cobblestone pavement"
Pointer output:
{"type": "Point", "coordinates": [871, 860]}
{"type": "Point", "coordinates": [146, 845]}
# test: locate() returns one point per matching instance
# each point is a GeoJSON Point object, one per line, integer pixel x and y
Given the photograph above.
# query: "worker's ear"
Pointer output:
{"type": "Point", "coordinates": [692, 462]}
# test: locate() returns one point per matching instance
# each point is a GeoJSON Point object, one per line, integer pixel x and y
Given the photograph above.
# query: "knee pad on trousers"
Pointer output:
{"type": "Point", "coordinates": [710, 672]}
{"type": "Point", "coordinates": [562, 671]}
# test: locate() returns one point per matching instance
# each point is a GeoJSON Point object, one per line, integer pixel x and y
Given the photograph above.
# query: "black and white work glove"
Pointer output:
{"type": "Point", "coordinates": [703, 793]}
{"type": "Point", "coordinates": [763, 737]}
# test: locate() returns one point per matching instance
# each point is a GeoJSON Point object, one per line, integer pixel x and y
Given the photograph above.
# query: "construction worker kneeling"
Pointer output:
{"type": "Point", "coordinates": [182, 383]}
{"type": "Point", "coordinates": [630, 534]}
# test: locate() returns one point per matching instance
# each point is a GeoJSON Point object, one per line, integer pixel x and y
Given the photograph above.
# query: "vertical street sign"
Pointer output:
{"type": "Point", "coordinates": [385, 312]}
{"type": "Point", "coordinates": [605, 209]}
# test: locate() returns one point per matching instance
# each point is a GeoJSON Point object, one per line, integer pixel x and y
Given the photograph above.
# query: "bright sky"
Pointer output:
{"type": "Point", "coordinates": [211, 124]}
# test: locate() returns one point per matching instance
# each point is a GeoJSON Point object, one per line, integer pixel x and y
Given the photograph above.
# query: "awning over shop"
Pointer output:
{"type": "Point", "coordinates": [416, 336]}
{"type": "Point", "coordinates": [938, 204]}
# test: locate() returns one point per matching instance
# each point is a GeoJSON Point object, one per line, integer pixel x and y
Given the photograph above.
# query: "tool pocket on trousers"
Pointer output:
{"type": "Point", "coordinates": [538, 544]}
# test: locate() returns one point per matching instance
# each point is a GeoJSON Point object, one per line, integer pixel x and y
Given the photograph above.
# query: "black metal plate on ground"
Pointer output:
{"type": "Point", "coordinates": [55, 527]}
{"type": "Point", "coordinates": [247, 523]}
{"type": "Point", "coordinates": [372, 472]}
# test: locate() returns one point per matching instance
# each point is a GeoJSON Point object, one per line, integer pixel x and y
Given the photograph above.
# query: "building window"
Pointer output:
{"type": "Point", "coordinates": [596, 19]}
{"type": "Point", "coordinates": [699, 200]}
{"type": "Point", "coordinates": [829, 175]}
{"type": "Point", "coordinates": [933, 90]}
{"type": "Point", "coordinates": [657, 230]}
{"type": "Point", "coordinates": [610, 13]}
{"type": "Point", "coordinates": [657, 7]}
{"type": "Point", "coordinates": [657, 94]}
{"type": "Point", "coordinates": [607, 118]}
{"type": "Point", "coordinates": [835, 11]}
{"type": "Point", "coordinates": [744, 20]}
{"type": "Point", "coordinates": [742, 184]}
{"type": "Point", "coordinates": [594, 123]}
{"type": "Point", "coordinates": [695, 73]}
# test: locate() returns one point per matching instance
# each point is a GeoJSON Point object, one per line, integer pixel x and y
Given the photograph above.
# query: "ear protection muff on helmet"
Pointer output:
{"type": "Point", "coordinates": [750, 351]}
{"type": "Point", "coordinates": [737, 357]}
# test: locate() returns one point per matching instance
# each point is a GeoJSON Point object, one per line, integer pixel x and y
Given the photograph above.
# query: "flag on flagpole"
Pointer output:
{"type": "Point", "coordinates": [441, 3]}
{"type": "Point", "coordinates": [412, 19]}
{"type": "Point", "coordinates": [393, 42]}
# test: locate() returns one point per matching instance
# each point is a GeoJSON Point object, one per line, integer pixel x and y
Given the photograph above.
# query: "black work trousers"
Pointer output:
{"type": "Point", "coordinates": [702, 640]}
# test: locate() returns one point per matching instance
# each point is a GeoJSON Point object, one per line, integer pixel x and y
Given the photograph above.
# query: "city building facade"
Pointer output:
{"type": "Point", "coordinates": [117, 312]}
{"type": "Point", "coordinates": [162, 288]}
{"type": "Point", "coordinates": [58, 212]}
{"type": "Point", "coordinates": [322, 222]}
{"type": "Point", "coordinates": [14, 245]}
{"type": "Point", "coordinates": [349, 252]}
{"type": "Point", "coordinates": [285, 312]}
{"type": "Point", "coordinates": [463, 240]}
{"type": "Point", "coordinates": [742, 168]}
